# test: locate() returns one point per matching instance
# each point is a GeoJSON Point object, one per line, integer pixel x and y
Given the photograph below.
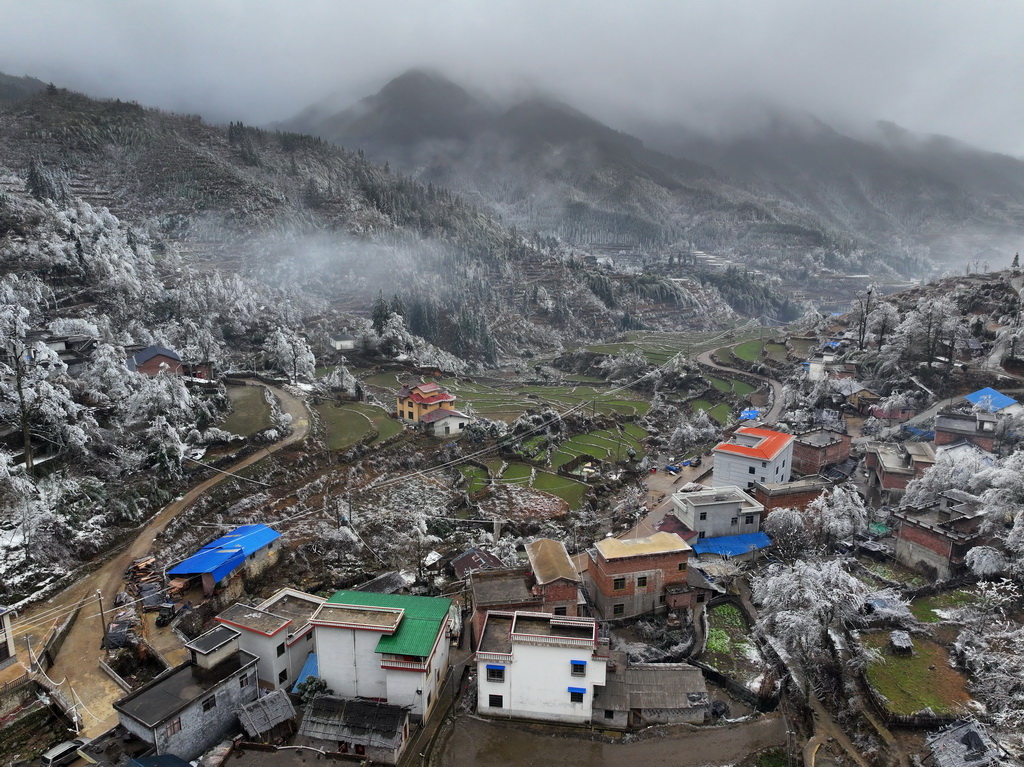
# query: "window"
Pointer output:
{"type": "Point", "coordinates": [619, 609]}
{"type": "Point", "coordinates": [641, 582]}
{"type": "Point", "coordinates": [496, 701]}
{"type": "Point", "coordinates": [342, 747]}
{"type": "Point", "coordinates": [360, 749]}
{"type": "Point", "coordinates": [703, 515]}
{"type": "Point", "coordinates": [618, 584]}
{"type": "Point", "coordinates": [309, 637]}
{"type": "Point", "coordinates": [734, 522]}
{"type": "Point", "coordinates": [700, 534]}
{"type": "Point", "coordinates": [244, 681]}
{"type": "Point", "coordinates": [560, 611]}
{"type": "Point", "coordinates": [282, 677]}
{"type": "Point", "coordinates": [576, 694]}
{"type": "Point", "coordinates": [661, 599]}
{"type": "Point", "coordinates": [495, 673]}
{"type": "Point", "coordinates": [763, 464]}
{"type": "Point", "coordinates": [173, 727]}
{"type": "Point", "coordinates": [609, 714]}
{"type": "Point", "coordinates": [428, 700]}
{"type": "Point", "coordinates": [700, 596]}
{"type": "Point", "coordinates": [750, 470]}
{"type": "Point", "coordinates": [682, 565]}
{"type": "Point", "coordinates": [210, 703]}
{"type": "Point", "coordinates": [750, 484]}
{"type": "Point", "coordinates": [749, 520]}
{"type": "Point", "coordinates": [280, 650]}
{"type": "Point", "coordinates": [578, 667]}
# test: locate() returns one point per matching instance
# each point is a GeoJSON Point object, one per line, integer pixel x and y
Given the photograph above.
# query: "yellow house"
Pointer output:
{"type": "Point", "coordinates": [414, 402]}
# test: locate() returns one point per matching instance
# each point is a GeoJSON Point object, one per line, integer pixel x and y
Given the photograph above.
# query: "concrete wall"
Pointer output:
{"type": "Point", "coordinates": [201, 730]}
{"type": "Point", "coordinates": [537, 683]}
{"type": "Point", "coordinates": [270, 664]}
{"type": "Point", "coordinates": [719, 516]}
{"type": "Point", "coordinates": [349, 663]}
{"type": "Point", "coordinates": [915, 545]}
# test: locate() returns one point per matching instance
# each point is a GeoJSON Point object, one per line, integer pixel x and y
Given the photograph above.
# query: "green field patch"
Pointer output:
{"type": "Point", "coordinates": [728, 642]}
{"type": "Point", "coordinates": [345, 426]}
{"type": "Point", "coordinates": [719, 383]}
{"type": "Point", "coordinates": [517, 472]}
{"type": "Point", "coordinates": [387, 427]}
{"type": "Point", "coordinates": [777, 352]}
{"type": "Point", "coordinates": [914, 682]}
{"type": "Point", "coordinates": [924, 608]}
{"type": "Point", "coordinates": [634, 431]}
{"type": "Point", "coordinates": [719, 412]}
{"type": "Point", "coordinates": [750, 351]}
{"type": "Point", "coordinates": [742, 388]}
{"type": "Point", "coordinates": [569, 490]}
{"type": "Point", "coordinates": [250, 411]}
{"type": "Point", "coordinates": [383, 381]}
{"type": "Point", "coordinates": [476, 478]}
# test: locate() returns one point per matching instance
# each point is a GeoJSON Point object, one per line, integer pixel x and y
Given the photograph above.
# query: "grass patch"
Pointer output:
{"type": "Point", "coordinates": [895, 573]}
{"type": "Point", "coordinates": [517, 472]}
{"type": "Point", "coordinates": [569, 490]}
{"type": "Point", "coordinates": [720, 384]}
{"type": "Point", "coordinates": [918, 681]}
{"type": "Point", "coordinates": [250, 411]}
{"type": "Point", "coordinates": [719, 412]}
{"type": "Point", "coordinates": [742, 388]}
{"type": "Point", "coordinates": [749, 351]}
{"type": "Point", "coordinates": [476, 478]}
{"type": "Point", "coordinates": [777, 351]}
{"type": "Point", "coordinates": [383, 381]}
{"type": "Point", "coordinates": [345, 426]}
{"type": "Point", "coordinates": [925, 607]}
{"type": "Point", "coordinates": [728, 642]}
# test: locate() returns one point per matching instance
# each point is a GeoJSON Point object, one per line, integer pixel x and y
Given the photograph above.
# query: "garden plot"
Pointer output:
{"type": "Point", "coordinates": [517, 503]}
{"type": "Point", "coordinates": [344, 425]}
{"type": "Point", "coordinates": [604, 445]}
{"type": "Point", "coordinates": [730, 648]}
{"type": "Point", "coordinates": [881, 575]}
{"type": "Point", "coordinates": [938, 606]}
{"type": "Point", "coordinates": [526, 476]}
{"type": "Point", "coordinates": [921, 680]}
{"type": "Point", "coordinates": [659, 347]}
{"type": "Point", "coordinates": [250, 411]}
{"type": "Point", "coordinates": [721, 412]}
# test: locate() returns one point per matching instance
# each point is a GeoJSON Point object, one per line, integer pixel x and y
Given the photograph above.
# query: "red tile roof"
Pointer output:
{"type": "Point", "coordinates": [440, 414]}
{"type": "Point", "coordinates": [770, 445]}
{"type": "Point", "coordinates": [426, 394]}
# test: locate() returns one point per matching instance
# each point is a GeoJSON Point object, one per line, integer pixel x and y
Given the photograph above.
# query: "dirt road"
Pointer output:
{"type": "Point", "coordinates": [478, 743]}
{"type": "Point", "coordinates": [77, 661]}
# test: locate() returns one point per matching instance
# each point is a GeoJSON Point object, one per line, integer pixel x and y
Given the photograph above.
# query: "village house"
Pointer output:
{"type": "Point", "coordinates": [154, 360]}
{"type": "Point", "coordinates": [245, 551]}
{"type": "Point", "coordinates": [795, 494]}
{"type": "Point", "coordinates": [413, 402]}
{"type": "Point", "coordinates": [549, 585]}
{"type": "Point", "coordinates": [817, 449]}
{"type": "Point", "coordinates": [641, 694]}
{"type": "Point", "coordinates": [978, 428]}
{"type": "Point", "coordinates": [935, 539]}
{"type": "Point", "coordinates": [444, 422]}
{"type": "Point", "coordinates": [278, 632]}
{"type": "Point", "coordinates": [343, 342]}
{"type": "Point", "coordinates": [7, 646]}
{"type": "Point", "coordinates": [991, 401]}
{"type": "Point", "coordinates": [377, 732]}
{"type": "Point", "coordinates": [854, 394]}
{"type": "Point", "coordinates": [190, 708]}
{"type": "Point", "coordinates": [753, 455]}
{"type": "Point", "coordinates": [891, 467]}
{"type": "Point", "coordinates": [718, 511]}
{"type": "Point", "coordinates": [635, 576]}
{"type": "Point", "coordinates": [473, 560]}
{"type": "Point", "coordinates": [268, 718]}
{"type": "Point", "coordinates": [391, 648]}
{"type": "Point", "coordinates": [965, 744]}
{"type": "Point", "coordinates": [540, 666]}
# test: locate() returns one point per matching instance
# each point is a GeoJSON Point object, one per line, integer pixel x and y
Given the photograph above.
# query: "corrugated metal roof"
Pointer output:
{"type": "Point", "coordinates": [265, 713]}
{"type": "Point", "coordinates": [423, 619]}
{"type": "Point", "coordinates": [659, 543]}
{"type": "Point", "coordinates": [222, 556]}
{"type": "Point", "coordinates": [550, 561]}
{"type": "Point", "coordinates": [732, 545]}
{"type": "Point", "coordinates": [989, 399]}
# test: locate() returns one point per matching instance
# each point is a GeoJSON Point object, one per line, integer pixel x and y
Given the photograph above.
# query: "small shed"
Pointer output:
{"type": "Point", "coordinates": [444, 423]}
{"type": "Point", "coordinates": [964, 744]}
{"type": "Point", "coordinates": [901, 643]}
{"type": "Point", "coordinates": [252, 547]}
{"type": "Point", "coordinates": [378, 731]}
{"type": "Point", "coordinates": [343, 341]}
{"type": "Point", "coordinates": [473, 560]}
{"type": "Point", "coordinates": [268, 718]}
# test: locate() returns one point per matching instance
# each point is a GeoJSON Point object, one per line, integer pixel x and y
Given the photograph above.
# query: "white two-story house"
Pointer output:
{"type": "Point", "coordinates": [390, 648]}
{"type": "Point", "coordinates": [718, 511]}
{"type": "Point", "coordinates": [753, 455]}
{"type": "Point", "coordinates": [539, 666]}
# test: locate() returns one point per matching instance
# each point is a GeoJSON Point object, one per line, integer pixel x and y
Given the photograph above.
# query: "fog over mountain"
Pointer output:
{"type": "Point", "coordinates": [942, 67]}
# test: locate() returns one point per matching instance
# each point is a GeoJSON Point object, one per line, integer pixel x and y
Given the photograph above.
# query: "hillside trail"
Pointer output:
{"type": "Point", "coordinates": [77, 661]}
{"type": "Point", "coordinates": [775, 411]}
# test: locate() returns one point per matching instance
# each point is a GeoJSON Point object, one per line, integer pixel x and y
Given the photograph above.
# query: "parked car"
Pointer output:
{"type": "Point", "coordinates": [65, 753]}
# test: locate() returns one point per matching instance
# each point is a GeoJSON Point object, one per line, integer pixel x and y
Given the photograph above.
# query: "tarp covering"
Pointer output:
{"type": "Point", "coordinates": [732, 545]}
{"type": "Point", "coordinates": [310, 668]}
{"type": "Point", "coordinates": [989, 399]}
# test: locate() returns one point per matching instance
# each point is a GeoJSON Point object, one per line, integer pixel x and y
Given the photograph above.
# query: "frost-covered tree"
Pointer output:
{"type": "Point", "coordinates": [883, 321]}
{"type": "Point", "coordinates": [340, 378]}
{"type": "Point", "coordinates": [836, 516]}
{"type": "Point", "coordinates": [693, 431]}
{"type": "Point", "coordinates": [288, 352]}
{"type": "Point", "coordinates": [788, 530]}
{"type": "Point", "coordinates": [993, 658]}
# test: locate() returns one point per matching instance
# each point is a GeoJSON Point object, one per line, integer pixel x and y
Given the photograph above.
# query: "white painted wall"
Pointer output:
{"type": "Point", "coordinates": [732, 469]}
{"type": "Point", "coordinates": [349, 662]}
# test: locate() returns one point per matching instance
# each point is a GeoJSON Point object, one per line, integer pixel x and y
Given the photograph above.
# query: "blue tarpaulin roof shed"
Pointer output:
{"type": "Point", "coordinates": [990, 399]}
{"type": "Point", "coordinates": [221, 557]}
{"type": "Point", "coordinates": [732, 545]}
{"type": "Point", "coordinates": [310, 668]}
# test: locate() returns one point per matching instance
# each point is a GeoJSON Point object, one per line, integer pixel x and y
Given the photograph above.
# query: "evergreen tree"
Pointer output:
{"type": "Point", "coordinates": [381, 312]}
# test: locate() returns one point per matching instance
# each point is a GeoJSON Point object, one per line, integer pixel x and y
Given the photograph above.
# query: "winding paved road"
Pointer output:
{"type": "Point", "coordinates": [78, 658]}
{"type": "Point", "coordinates": [772, 415]}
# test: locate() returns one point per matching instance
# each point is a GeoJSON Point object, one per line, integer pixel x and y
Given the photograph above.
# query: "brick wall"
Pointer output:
{"type": "Point", "coordinates": [152, 367]}
{"type": "Point", "coordinates": [926, 538]}
{"type": "Point", "coordinates": [810, 459]}
{"type": "Point", "coordinates": [984, 441]}
{"type": "Point", "coordinates": [799, 500]}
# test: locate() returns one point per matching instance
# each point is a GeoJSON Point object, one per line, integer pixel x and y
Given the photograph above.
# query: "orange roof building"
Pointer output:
{"type": "Point", "coordinates": [413, 402]}
{"type": "Point", "coordinates": [753, 455]}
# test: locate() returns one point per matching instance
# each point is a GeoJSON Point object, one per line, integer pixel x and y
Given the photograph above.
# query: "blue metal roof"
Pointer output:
{"type": "Point", "coordinates": [221, 557]}
{"type": "Point", "coordinates": [310, 668]}
{"type": "Point", "coordinates": [149, 353]}
{"type": "Point", "coordinates": [990, 399]}
{"type": "Point", "coordinates": [732, 545]}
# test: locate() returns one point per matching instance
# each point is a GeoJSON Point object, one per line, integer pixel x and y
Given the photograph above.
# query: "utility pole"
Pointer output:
{"type": "Point", "coordinates": [103, 617]}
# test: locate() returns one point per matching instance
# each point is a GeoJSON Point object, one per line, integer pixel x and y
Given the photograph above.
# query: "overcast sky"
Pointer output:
{"type": "Point", "coordinates": [942, 66]}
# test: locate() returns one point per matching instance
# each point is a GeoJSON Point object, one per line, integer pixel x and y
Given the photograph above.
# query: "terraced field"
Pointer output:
{"type": "Point", "coordinates": [250, 412]}
{"type": "Point", "coordinates": [345, 425]}
{"type": "Point", "coordinates": [603, 445]}
{"type": "Point", "coordinates": [719, 412]}
{"type": "Point", "coordinates": [569, 490]}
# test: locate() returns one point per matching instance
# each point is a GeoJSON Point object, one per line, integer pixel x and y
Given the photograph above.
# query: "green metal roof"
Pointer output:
{"type": "Point", "coordinates": [422, 619]}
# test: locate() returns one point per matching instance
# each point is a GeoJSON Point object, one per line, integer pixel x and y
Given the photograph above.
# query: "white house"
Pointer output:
{"type": "Point", "coordinates": [539, 666]}
{"type": "Point", "coordinates": [753, 455]}
{"type": "Point", "coordinates": [6, 637]}
{"type": "Point", "coordinates": [343, 341]}
{"type": "Point", "coordinates": [391, 648]}
{"type": "Point", "coordinates": [444, 423]}
{"type": "Point", "coordinates": [278, 632]}
{"type": "Point", "coordinates": [718, 511]}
